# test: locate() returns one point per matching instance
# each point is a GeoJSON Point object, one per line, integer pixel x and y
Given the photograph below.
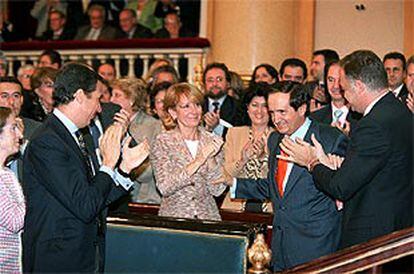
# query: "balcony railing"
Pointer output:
{"type": "Point", "coordinates": [194, 50]}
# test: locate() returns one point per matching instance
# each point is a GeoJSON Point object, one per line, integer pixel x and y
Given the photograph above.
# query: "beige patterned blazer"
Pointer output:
{"type": "Point", "coordinates": [185, 196]}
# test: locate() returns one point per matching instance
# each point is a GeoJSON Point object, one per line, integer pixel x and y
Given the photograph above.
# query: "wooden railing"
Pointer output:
{"type": "Point", "coordinates": [369, 256]}
{"type": "Point", "coordinates": [194, 50]}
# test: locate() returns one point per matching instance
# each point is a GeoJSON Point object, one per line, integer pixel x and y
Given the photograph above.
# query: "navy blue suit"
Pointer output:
{"type": "Point", "coordinates": [63, 229]}
{"type": "Point", "coordinates": [306, 223]}
{"type": "Point", "coordinates": [376, 179]}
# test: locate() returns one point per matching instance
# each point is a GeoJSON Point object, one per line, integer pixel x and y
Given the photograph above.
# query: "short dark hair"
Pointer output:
{"type": "Point", "coordinates": [395, 55]}
{"type": "Point", "coordinates": [221, 66]}
{"type": "Point", "coordinates": [255, 90]}
{"type": "Point", "coordinates": [325, 77]}
{"type": "Point", "coordinates": [269, 68]}
{"type": "Point", "coordinates": [329, 55]}
{"type": "Point", "coordinates": [54, 56]}
{"type": "Point", "coordinates": [294, 62]}
{"type": "Point", "coordinates": [131, 11]}
{"type": "Point", "coordinates": [298, 94]}
{"type": "Point", "coordinates": [365, 66]}
{"type": "Point", "coordinates": [72, 77]}
{"type": "Point", "coordinates": [61, 14]}
{"type": "Point", "coordinates": [11, 79]}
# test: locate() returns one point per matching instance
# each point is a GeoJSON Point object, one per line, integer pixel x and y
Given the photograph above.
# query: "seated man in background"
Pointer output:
{"type": "Point", "coordinates": [97, 29]}
{"type": "Point", "coordinates": [57, 28]}
{"type": "Point", "coordinates": [172, 28]}
{"type": "Point", "coordinates": [131, 28]}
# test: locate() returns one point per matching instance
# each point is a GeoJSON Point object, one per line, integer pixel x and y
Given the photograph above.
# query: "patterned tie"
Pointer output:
{"type": "Point", "coordinates": [86, 156]}
{"type": "Point", "coordinates": [337, 114]}
{"type": "Point", "coordinates": [281, 173]}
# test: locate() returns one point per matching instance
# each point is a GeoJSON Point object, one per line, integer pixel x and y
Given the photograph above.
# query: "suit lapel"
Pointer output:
{"type": "Point", "coordinates": [297, 171]}
{"type": "Point", "coordinates": [274, 150]}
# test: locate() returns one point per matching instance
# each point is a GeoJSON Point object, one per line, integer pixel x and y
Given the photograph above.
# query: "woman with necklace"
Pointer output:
{"type": "Point", "coordinates": [245, 150]}
{"type": "Point", "coordinates": [12, 204]}
{"type": "Point", "coordinates": [187, 159]}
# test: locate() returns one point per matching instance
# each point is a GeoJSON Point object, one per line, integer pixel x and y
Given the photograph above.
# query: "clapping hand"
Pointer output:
{"type": "Point", "coordinates": [298, 151]}
{"type": "Point", "coordinates": [110, 145]}
{"type": "Point", "coordinates": [346, 128]}
{"type": "Point", "coordinates": [211, 149]}
{"type": "Point", "coordinates": [211, 119]}
{"type": "Point", "coordinates": [132, 157]}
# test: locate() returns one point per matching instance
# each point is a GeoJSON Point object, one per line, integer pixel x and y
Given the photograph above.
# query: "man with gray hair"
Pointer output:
{"type": "Point", "coordinates": [375, 180]}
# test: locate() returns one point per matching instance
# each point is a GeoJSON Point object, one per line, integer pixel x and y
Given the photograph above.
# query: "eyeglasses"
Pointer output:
{"type": "Point", "coordinates": [6, 96]}
{"type": "Point", "coordinates": [26, 76]}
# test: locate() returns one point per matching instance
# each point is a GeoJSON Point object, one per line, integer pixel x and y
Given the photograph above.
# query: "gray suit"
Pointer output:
{"type": "Point", "coordinates": [107, 33]}
{"type": "Point", "coordinates": [307, 223]}
{"type": "Point", "coordinates": [145, 191]}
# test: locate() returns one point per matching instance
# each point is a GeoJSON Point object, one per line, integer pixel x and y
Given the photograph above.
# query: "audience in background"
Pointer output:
{"type": "Point", "coordinates": [58, 29]}
{"type": "Point", "coordinates": [3, 65]}
{"type": "Point", "coordinates": [236, 86]}
{"type": "Point", "coordinates": [394, 63]}
{"type": "Point", "coordinates": [172, 28]}
{"type": "Point", "coordinates": [50, 58]}
{"type": "Point", "coordinates": [107, 71]}
{"type": "Point", "coordinates": [145, 13]}
{"type": "Point", "coordinates": [13, 206]}
{"type": "Point", "coordinates": [41, 10]}
{"type": "Point", "coordinates": [293, 69]}
{"type": "Point", "coordinates": [163, 74]}
{"type": "Point", "coordinates": [97, 28]}
{"type": "Point", "coordinates": [156, 64]}
{"type": "Point", "coordinates": [410, 83]}
{"type": "Point", "coordinates": [187, 159]}
{"type": "Point", "coordinates": [264, 73]}
{"type": "Point", "coordinates": [131, 28]}
{"type": "Point", "coordinates": [156, 97]}
{"type": "Point", "coordinates": [42, 82]}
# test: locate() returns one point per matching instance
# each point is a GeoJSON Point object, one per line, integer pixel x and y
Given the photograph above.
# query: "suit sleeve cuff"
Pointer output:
{"type": "Point", "coordinates": [124, 182]}
{"type": "Point", "coordinates": [233, 189]}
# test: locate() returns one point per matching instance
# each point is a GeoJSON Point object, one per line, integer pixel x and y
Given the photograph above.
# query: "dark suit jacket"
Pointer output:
{"type": "Point", "coordinates": [62, 230]}
{"type": "Point", "coordinates": [324, 116]}
{"type": "Point", "coordinates": [375, 181]}
{"type": "Point", "coordinates": [403, 94]}
{"type": "Point", "coordinates": [107, 33]}
{"type": "Point", "coordinates": [140, 32]}
{"type": "Point", "coordinates": [306, 223]}
{"type": "Point", "coordinates": [67, 34]}
{"type": "Point", "coordinates": [163, 33]}
{"type": "Point", "coordinates": [229, 111]}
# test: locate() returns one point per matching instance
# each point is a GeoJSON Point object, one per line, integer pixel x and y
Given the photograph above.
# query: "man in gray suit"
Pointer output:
{"type": "Point", "coordinates": [97, 29]}
{"type": "Point", "coordinates": [307, 222]}
{"type": "Point", "coordinates": [11, 96]}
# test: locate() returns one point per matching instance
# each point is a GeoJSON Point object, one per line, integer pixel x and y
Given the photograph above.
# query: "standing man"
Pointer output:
{"type": "Point", "coordinates": [337, 113]}
{"type": "Point", "coordinates": [221, 111]}
{"type": "Point", "coordinates": [319, 60]}
{"type": "Point", "coordinates": [293, 69]}
{"type": "Point", "coordinates": [375, 181]}
{"type": "Point", "coordinates": [66, 190]}
{"type": "Point", "coordinates": [306, 223]}
{"type": "Point", "coordinates": [394, 63]}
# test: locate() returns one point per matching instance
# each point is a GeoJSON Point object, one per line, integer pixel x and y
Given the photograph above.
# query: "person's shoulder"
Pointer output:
{"type": "Point", "coordinates": [237, 130]}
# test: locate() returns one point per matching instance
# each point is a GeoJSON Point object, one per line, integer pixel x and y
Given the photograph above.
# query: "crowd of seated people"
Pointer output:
{"type": "Point", "coordinates": [242, 143]}
{"type": "Point", "coordinates": [107, 20]}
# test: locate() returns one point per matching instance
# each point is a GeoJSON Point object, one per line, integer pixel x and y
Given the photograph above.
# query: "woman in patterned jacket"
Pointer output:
{"type": "Point", "coordinates": [187, 159]}
{"type": "Point", "coordinates": [12, 204]}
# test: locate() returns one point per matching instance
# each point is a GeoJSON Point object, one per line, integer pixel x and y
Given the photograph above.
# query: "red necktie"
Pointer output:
{"type": "Point", "coordinates": [281, 173]}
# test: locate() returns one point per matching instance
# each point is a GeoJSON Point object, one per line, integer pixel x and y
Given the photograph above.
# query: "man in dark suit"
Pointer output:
{"type": "Point", "coordinates": [97, 29]}
{"type": "Point", "coordinates": [11, 96]}
{"type": "Point", "coordinates": [337, 113]}
{"type": "Point", "coordinates": [65, 189]}
{"type": "Point", "coordinates": [221, 111]}
{"type": "Point", "coordinates": [58, 29]}
{"type": "Point", "coordinates": [375, 181]}
{"type": "Point", "coordinates": [129, 24]}
{"type": "Point", "coordinates": [306, 223]}
{"type": "Point", "coordinates": [172, 28]}
{"type": "Point", "coordinates": [395, 63]}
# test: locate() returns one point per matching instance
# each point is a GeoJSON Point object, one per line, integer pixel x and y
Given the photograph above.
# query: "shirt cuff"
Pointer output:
{"type": "Point", "coordinates": [125, 182]}
{"type": "Point", "coordinates": [233, 189]}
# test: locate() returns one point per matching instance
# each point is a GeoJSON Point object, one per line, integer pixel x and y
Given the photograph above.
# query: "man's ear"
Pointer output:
{"type": "Point", "coordinates": [359, 86]}
{"type": "Point", "coordinates": [79, 95]}
{"type": "Point", "coordinates": [302, 109]}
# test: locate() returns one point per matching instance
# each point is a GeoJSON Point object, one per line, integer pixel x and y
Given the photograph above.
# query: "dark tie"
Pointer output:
{"type": "Point", "coordinates": [216, 106]}
{"type": "Point", "coordinates": [85, 153]}
{"type": "Point", "coordinates": [95, 134]}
